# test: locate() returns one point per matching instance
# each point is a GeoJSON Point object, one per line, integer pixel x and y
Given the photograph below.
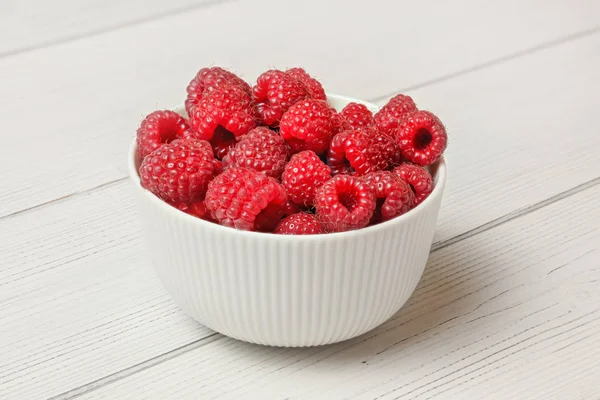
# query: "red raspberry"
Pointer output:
{"type": "Point", "coordinates": [361, 151]}
{"type": "Point", "coordinates": [388, 118]}
{"type": "Point", "coordinates": [260, 149]}
{"type": "Point", "coordinates": [314, 86]}
{"type": "Point", "coordinates": [290, 208]}
{"type": "Point", "coordinates": [345, 203]}
{"type": "Point", "coordinates": [197, 209]}
{"type": "Point", "coordinates": [158, 128]}
{"type": "Point", "coordinates": [218, 167]}
{"type": "Point", "coordinates": [275, 92]}
{"type": "Point", "coordinates": [341, 124]}
{"type": "Point", "coordinates": [422, 138]}
{"type": "Point", "coordinates": [246, 199]}
{"type": "Point", "coordinates": [418, 178]}
{"type": "Point", "coordinates": [357, 116]}
{"type": "Point", "coordinates": [300, 224]}
{"type": "Point", "coordinates": [394, 196]}
{"type": "Point", "coordinates": [207, 80]}
{"type": "Point", "coordinates": [179, 172]}
{"type": "Point", "coordinates": [308, 125]}
{"type": "Point", "coordinates": [303, 175]}
{"type": "Point", "coordinates": [222, 141]}
{"type": "Point", "coordinates": [228, 107]}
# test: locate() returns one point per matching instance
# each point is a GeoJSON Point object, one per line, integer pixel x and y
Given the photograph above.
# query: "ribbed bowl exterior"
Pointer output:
{"type": "Point", "coordinates": [288, 290]}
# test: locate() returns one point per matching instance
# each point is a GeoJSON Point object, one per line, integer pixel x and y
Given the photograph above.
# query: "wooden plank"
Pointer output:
{"type": "Point", "coordinates": [518, 133]}
{"type": "Point", "coordinates": [79, 301]}
{"type": "Point", "coordinates": [73, 108]}
{"type": "Point", "coordinates": [26, 25]}
{"type": "Point", "coordinates": [510, 313]}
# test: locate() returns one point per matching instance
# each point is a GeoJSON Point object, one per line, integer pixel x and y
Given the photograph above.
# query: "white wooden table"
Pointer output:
{"type": "Point", "coordinates": [509, 305]}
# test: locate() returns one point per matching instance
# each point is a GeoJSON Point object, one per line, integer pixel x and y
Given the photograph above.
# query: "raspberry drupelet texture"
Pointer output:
{"type": "Point", "coordinates": [291, 208]}
{"type": "Point", "coordinates": [341, 124]}
{"type": "Point", "coordinates": [218, 167]}
{"type": "Point", "coordinates": [394, 196]}
{"type": "Point", "coordinates": [197, 209]}
{"type": "Point", "coordinates": [226, 109]}
{"type": "Point", "coordinates": [158, 128]}
{"type": "Point", "coordinates": [303, 175]}
{"type": "Point", "coordinates": [209, 79]}
{"type": "Point", "coordinates": [357, 116]}
{"type": "Point", "coordinates": [308, 125]}
{"type": "Point", "coordinates": [179, 172]}
{"type": "Point", "coordinates": [418, 178]}
{"type": "Point", "coordinates": [389, 117]}
{"type": "Point", "coordinates": [360, 151]}
{"type": "Point", "coordinates": [300, 224]}
{"type": "Point", "coordinates": [345, 203]}
{"type": "Point", "coordinates": [314, 87]}
{"type": "Point", "coordinates": [246, 199]}
{"type": "Point", "coordinates": [422, 138]}
{"type": "Point", "coordinates": [276, 91]}
{"type": "Point", "coordinates": [260, 149]}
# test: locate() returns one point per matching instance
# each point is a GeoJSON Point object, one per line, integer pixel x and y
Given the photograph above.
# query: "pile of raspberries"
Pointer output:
{"type": "Point", "coordinates": [276, 157]}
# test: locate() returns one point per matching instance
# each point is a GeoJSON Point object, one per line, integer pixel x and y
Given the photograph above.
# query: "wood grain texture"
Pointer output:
{"type": "Point", "coordinates": [89, 95]}
{"type": "Point", "coordinates": [517, 133]}
{"type": "Point", "coordinates": [26, 25]}
{"type": "Point", "coordinates": [89, 246]}
{"type": "Point", "coordinates": [512, 313]}
{"type": "Point", "coordinates": [78, 299]}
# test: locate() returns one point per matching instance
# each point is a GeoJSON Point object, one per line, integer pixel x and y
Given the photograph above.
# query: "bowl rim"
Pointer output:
{"type": "Point", "coordinates": [439, 184]}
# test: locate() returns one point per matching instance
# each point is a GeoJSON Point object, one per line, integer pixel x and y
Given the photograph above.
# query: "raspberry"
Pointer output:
{"type": "Point", "coordinates": [207, 80]}
{"type": "Point", "coordinates": [222, 141]}
{"type": "Point", "coordinates": [341, 124]}
{"type": "Point", "coordinates": [422, 138]}
{"type": "Point", "coordinates": [275, 92]}
{"type": "Point", "coordinates": [357, 116]}
{"type": "Point", "coordinates": [315, 89]}
{"type": "Point", "coordinates": [228, 108]}
{"type": "Point", "coordinates": [361, 151]}
{"type": "Point", "coordinates": [218, 166]}
{"type": "Point", "coordinates": [197, 209]}
{"type": "Point", "coordinates": [246, 199]}
{"type": "Point", "coordinates": [179, 172]}
{"type": "Point", "coordinates": [290, 208]}
{"type": "Point", "coordinates": [260, 149]}
{"type": "Point", "coordinates": [345, 203]}
{"type": "Point", "coordinates": [394, 196]}
{"type": "Point", "coordinates": [388, 118]}
{"type": "Point", "coordinates": [418, 178]}
{"type": "Point", "coordinates": [303, 175]}
{"type": "Point", "coordinates": [308, 125]}
{"type": "Point", "coordinates": [158, 128]}
{"type": "Point", "coordinates": [300, 224]}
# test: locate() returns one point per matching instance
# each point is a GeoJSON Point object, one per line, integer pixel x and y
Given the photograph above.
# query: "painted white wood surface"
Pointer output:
{"type": "Point", "coordinates": [90, 94]}
{"type": "Point", "coordinates": [83, 304]}
{"type": "Point", "coordinates": [96, 251]}
{"type": "Point", "coordinates": [80, 308]}
{"type": "Point", "coordinates": [26, 25]}
{"type": "Point", "coordinates": [513, 312]}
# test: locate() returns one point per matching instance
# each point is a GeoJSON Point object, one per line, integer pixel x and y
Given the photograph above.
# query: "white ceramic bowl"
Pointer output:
{"type": "Point", "coordinates": [288, 290]}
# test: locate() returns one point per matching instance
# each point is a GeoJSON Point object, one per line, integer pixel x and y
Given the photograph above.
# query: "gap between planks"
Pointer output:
{"type": "Point", "coordinates": [112, 28]}
{"type": "Point", "coordinates": [114, 182]}
{"type": "Point", "coordinates": [496, 61]}
{"type": "Point", "coordinates": [124, 373]}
